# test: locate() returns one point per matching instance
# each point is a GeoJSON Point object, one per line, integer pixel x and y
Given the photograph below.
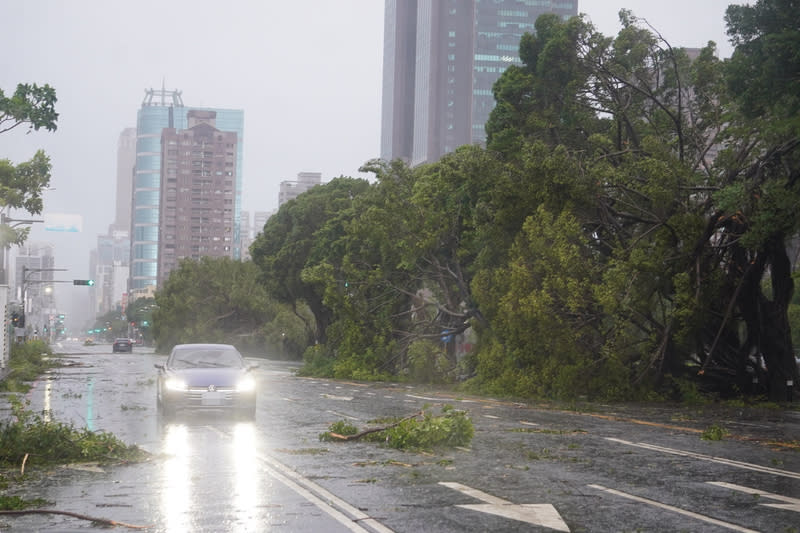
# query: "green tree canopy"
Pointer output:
{"type": "Point", "coordinates": [30, 105]}
{"type": "Point", "coordinates": [21, 185]}
{"type": "Point", "coordinates": [213, 300]}
{"type": "Point", "coordinates": [297, 237]}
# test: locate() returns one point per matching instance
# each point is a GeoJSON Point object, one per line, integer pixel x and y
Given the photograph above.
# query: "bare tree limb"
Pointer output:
{"type": "Point", "coordinates": [104, 521]}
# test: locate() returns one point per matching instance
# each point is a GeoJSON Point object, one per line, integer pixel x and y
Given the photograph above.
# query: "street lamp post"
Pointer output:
{"type": "Point", "coordinates": [6, 220]}
{"type": "Point", "coordinates": [26, 281]}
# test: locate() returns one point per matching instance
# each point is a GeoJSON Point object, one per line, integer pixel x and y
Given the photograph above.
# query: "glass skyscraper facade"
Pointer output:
{"type": "Point", "coordinates": [450, 52]}
{"type": "Point", "coordinates": [165, 109]}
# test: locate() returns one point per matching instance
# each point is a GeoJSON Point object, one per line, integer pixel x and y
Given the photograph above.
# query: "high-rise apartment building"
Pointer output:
{"type": "Point", "coordinates": [291, 189]}
{"type": "Point", "coordinates": [259, 220]}
{"type": "Point", "coordinates": [165, 109]}
{"type": "Point", "coordinates": [126, 161]}
{"type": "Point", "coordinates": [440, 61]}
{"type": "Point", "coordinates": [110, 269]}
{"type": "Point", "coordinates": [198, 176]}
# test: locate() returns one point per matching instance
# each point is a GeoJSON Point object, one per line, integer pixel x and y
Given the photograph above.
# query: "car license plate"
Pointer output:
{"type": "Point", "coordinates": [212, 398]}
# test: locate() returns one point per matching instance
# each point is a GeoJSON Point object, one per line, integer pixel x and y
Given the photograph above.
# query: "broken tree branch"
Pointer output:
{"type": "Point", "coordinates": [373, 430]}
{"type": "Point", "coordinates": [104, 521]}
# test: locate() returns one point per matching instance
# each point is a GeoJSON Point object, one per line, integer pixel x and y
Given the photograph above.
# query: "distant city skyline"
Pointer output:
{"type": "Point", "coordinates": [164, 109]}
{"type": "Point", "coordinates": [315, 105]}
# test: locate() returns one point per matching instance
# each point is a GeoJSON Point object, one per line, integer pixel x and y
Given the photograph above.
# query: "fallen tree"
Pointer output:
{"type": "Point", "coordinates": [422, 430]}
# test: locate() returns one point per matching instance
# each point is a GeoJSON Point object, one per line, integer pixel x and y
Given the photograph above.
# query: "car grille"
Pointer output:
{"type": "Point", "coordinates": [196, 395]}
{"type": "Point", "coordinates": [219, 397]}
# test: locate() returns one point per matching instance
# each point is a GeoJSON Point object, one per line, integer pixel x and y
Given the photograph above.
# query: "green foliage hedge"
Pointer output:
{"type": "Point", "coordinates": [27, 361]}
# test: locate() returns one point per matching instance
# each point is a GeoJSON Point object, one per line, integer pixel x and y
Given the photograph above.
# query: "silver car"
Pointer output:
{"type": "Point", "coordinates": [206, 377]}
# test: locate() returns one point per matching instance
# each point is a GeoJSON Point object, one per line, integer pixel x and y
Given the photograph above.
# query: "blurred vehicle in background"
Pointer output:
{"type": "Point", "coordinates": [122, 345]}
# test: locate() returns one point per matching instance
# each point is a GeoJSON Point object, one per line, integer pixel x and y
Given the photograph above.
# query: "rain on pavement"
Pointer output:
{"type": "Point", "coordinates": [616, 468]}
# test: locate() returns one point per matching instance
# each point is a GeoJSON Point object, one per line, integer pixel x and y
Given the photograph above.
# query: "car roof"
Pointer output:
{"type": "Point", "coordinates": [121, 339]}
{"type": "Point", "coordinates": [200, 346]}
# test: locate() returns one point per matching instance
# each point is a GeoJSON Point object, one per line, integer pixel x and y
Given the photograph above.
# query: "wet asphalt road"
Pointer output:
{"type": "Point", "coordinates": [530, 468]}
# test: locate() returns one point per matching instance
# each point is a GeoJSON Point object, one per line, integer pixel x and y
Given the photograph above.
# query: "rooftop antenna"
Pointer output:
{"type": "Point", "coordinates": [152, 96]}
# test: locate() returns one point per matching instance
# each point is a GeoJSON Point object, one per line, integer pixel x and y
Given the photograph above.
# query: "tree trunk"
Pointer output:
{"type": "Point", "coordinates": [775, 336]}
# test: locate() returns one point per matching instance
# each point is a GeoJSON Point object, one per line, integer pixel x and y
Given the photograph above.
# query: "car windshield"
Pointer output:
{"type": "Point", "coordinates": [205, 357]}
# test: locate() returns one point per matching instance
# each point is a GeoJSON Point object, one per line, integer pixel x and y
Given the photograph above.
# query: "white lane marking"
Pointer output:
{"type": "Point", "coordinates": [325, 500]}
{"type": "Point", "coordinates": [792, 504]}
{"type": "Point", "coordinates": [678, 510]}
{"type": "Point", "coordinates": [531, 513]}
{"type": "Point", "coordinates": [713, 459]}
{"type": "Point", "coordinates": [491, 416]}
{"type": "Point", "coordinates": [339, 398]}
{"type": "Point", "coordinates": [342, 415]}
{"type": "Point", "coordinates": [430, 399]}
{"type": "Point", "coordinates": [316, 494]}
{"type": "Point", "coordinates": [528, 423]}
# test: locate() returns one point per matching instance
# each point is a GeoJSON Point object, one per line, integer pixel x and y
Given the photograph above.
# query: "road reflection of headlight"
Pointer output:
{"type": "Point", "coordinates": [247, 496]}
{"type": "Point", "coordinates": [175, 498]}
{"type": "Point", "coordinates": [246, 384]}
{"type": "Point", "coordinates": [175, 384]}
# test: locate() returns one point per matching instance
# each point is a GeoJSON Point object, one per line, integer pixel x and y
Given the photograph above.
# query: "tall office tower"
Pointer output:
{"type": "Point", "coordinates": [165, 109]}
{"type": "Point", "coordinates": [399, 58]}
{"type": "Point", "coordinates": [441, 59]}
{"type": "Point", "coordinates": [198, 176]}
{"type": "Point", "coordinates": [246, 233]}
{"type": "Point", "coordinates": [291, 189]}
{"type": "Point", "coordinates": [110, 272]}
{"type": "Point", "coordinates": [259, 219]}
{"type": "Point", "coordinates": [126, 160]}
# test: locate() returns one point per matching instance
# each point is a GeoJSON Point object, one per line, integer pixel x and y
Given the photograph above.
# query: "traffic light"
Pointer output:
{"type": "Point", "coordinates": [88, 282]}
{"type": "Point", "coordinates": [18, 320]}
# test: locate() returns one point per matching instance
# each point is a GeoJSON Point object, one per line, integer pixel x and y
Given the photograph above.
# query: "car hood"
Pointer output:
{"type": "Point", "coordinates": [203, 377]}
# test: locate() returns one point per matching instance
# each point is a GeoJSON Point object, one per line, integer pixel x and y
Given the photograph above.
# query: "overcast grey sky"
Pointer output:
{"type": "Point", "coordinates": [307, 74]}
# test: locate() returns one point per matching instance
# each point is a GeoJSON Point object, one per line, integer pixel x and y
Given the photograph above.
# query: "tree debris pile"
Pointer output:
{"type": "Point", "coordinates": [423, 430]}
{"type": "Point", "coordinates": [27, 439]}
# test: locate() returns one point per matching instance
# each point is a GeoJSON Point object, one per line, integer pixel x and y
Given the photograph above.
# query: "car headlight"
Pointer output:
{"type": "Point", "coordinates": [175, 384]}
{"type": "Point", "coordinates": [246, 384]}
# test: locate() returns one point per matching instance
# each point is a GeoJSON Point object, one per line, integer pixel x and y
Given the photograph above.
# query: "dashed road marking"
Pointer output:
{"type": "Point", "coordinates": [678, 510]}
{"type": "Point", "coordinates": [792, 504]}
{"type": "Point", "coordinates": [429, 399]}
{"type": "Point", "coordinates": [338, 398]}
{"type": "Point", "coordinates": [711, 458]}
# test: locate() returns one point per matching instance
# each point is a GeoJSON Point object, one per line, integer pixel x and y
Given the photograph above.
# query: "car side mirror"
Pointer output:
{"type": "Point", "coordinates": [252, 367]}
{"type": "Point", "coordinates": [159, 366]}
